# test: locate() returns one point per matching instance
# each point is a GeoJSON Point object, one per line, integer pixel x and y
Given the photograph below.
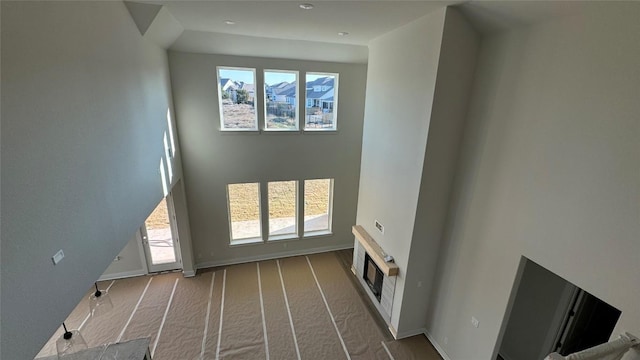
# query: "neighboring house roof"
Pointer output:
{"type": "Point", "coordinates": [286, 89]}
{"type": "Point", "coordinates": [281, 85]}
{"type": "Point", "coordinates": [248, 87]}
{"type": "Point", "coordinates": [327, 81]}
{"type": "Point", "coordinates": [225, 84]}
{"type": "Point", "coordinates": [324, 95]}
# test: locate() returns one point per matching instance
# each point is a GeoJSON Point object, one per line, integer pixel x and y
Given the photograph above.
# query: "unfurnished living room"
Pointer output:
{"type": "Point", "coordinates": [200, 180]}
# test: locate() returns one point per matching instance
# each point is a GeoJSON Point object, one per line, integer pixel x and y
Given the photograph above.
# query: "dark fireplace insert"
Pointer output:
{"type": "Point", "coordinates": [373, 276]}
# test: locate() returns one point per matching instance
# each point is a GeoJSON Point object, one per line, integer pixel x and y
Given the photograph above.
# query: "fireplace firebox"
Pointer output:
{"type": "Point", "coordinates": [373, 276]}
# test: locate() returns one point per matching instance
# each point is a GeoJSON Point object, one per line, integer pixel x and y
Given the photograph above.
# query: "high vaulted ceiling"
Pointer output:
{"type": "Point", "coordinates": [363, 20]}
{"type": "Point", "coordinates": [283, 29]}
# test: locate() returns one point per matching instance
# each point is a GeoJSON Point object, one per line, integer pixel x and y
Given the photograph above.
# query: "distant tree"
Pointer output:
{"type": "Point", "coordinates": [242, 96]}
{"type": "Point", "coordinates": [225, 95]}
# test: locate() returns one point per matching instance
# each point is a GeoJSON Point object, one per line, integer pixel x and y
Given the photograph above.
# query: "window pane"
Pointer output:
{"type": "Point", "coordinates": [281, 99]}
{"type": "Point", "coordinates": [244, 211]}
{"type": "Point", "coordinates": [282, 207]}
{"type": "Point", "coordinates": [170, 127]}
{"type": "Point", "coordinates": [167, 155]}
{"type": "Point", "coordinates": [317, 204]}
{"type": "Point", "coordinates": [321, 101]}
{"type": "Point", "coordinates": [236, 95]}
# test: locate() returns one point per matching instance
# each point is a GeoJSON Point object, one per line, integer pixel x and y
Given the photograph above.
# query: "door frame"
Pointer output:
{"type": "Point", "coordinates": [177, 265]}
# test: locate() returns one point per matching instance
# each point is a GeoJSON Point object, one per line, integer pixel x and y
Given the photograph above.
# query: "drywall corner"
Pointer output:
{"type": "Point", "coordinates": [129, 262]}
{"type": "Point", "coordinates": [164, 30]}
{"type": "Point", "coordinates": [142, 14]}
{"type": "Point", "coordinates": [455, 76]}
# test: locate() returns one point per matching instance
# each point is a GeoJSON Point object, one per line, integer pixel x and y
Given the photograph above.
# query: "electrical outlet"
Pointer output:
{"type": "Point", "coordinates": [446, 340]}
{"type": "Point", "coordinates": [475, 322]}
{"type": "Point", "coordinates": [419, 283]}
{"type": "Point", "coordinates": [379, 226]}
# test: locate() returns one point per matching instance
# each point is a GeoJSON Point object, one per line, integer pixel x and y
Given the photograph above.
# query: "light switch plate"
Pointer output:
{"type": "Point", "coordinates": [58, 257]}
{"type": "Point", "coordinates": [475, 322]}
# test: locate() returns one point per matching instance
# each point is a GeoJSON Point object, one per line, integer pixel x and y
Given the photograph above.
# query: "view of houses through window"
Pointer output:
{"type": "Point", "coordinates": [237, 99]}
{"type": "Point", "coordinates": [321, 105]}
{"type": "Point", "coordinates": [245, 210]}
{"type": "Point", "coordinates": [280, 100]}
{"type": "Point", "coordinates": [236, 96]}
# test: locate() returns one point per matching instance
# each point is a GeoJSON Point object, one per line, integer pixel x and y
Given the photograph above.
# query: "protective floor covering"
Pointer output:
{"type": "Point", "coordinates": [304, 307]}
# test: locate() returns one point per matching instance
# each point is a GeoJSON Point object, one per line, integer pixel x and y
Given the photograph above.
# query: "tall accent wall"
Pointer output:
{"type": "Point", "coordinates": [400, 85]}
{"type": "Point", "coordinates": [549, 170]}
{"type": "Point", "coordinates": [84, 103]}
{"type": "Point", "coordinates": [456, 71]}
{"type": "Point", "coordinates": [418, 87]}
{"type": "Point", "coordinates": [212, 159]}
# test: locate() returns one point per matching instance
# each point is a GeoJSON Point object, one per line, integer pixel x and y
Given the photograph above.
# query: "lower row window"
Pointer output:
{"type": "Point", "coordinates": [284, 207]}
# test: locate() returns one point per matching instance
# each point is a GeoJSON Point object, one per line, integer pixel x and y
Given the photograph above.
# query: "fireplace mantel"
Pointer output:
{"type": "Point", "coordinates": [375, 251]}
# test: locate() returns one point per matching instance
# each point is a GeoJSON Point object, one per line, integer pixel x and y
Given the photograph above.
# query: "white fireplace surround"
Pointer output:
{"type": "Point", "coordinates": [365, 244]}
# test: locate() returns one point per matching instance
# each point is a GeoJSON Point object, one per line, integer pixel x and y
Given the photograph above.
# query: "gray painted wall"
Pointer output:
{"type": "Point", "coordinates": [130, 261]}
{"type": "Point", "coordinates": [84, 101]}
{"type": "Point", "coordinates": [456, 70]}
{"type": "Point", "coordinates": [240, 45]}
{"type": "Point", "coordinates": [400, 89]}
{"type": "Point", "coordinates": [213, 159]}
{"type": "Point", "coordinates": [549, 170]}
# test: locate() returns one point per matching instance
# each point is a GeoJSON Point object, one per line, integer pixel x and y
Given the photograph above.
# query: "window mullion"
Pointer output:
{"type": "Point", "coordinates": [330, 204]}
{"type": "Point", "coordinates": [300, 209]}
{"type": "Point", "coordinates": [264, 210]}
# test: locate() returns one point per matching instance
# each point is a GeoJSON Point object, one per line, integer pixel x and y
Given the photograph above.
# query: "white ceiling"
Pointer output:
{"type": "Point", "coordinates": [363, 20]}
{"type": "Point", "coordinates": [282, 29]}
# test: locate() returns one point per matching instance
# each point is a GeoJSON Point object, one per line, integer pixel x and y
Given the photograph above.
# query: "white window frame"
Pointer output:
{"type": "Point", "coordinates": [329, 231]}
{"type": "Point", "coordinates": [336, 85]}
{"type": "Point", "coordinates": [263, 208]}
{"type": "Point", "coordinates": [252, 240]}
{"type": "Point", "coordinates": [297, 104]}
{"type": "Point", "coordinates": [255, 105]}
{"type": "Point", "coordinates": [172, 140]}
{"type": "Point", "coordinates": [290, 236]}
{"type": "Point", "coordinates": [167, 154]}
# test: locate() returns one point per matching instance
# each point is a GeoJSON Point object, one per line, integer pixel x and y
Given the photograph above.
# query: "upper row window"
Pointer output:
{"type": "Point", "coordinates": [237, 99]}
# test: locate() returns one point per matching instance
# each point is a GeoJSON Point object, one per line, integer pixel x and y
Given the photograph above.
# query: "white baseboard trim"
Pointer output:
{"type": "Point", "coordinates": [410, 333]}
{"type": "Point", "coordinates": [122, 275]}
{"type": "Point", "coordinates": [188, 273]}
{"type": "Point", "coordinates": [435, 344]}
{"type": "Point", "coordinates": [393, 331]}
{"type": "Point", "coordinates": [272, 256]}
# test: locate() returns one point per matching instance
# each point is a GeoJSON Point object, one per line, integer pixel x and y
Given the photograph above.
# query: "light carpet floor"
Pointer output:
{"type": "Point", "coordinates": [304, 307]}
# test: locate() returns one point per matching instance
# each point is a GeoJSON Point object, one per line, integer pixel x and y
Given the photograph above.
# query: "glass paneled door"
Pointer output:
{"type": "Point", "coordinates": [159, 238]}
